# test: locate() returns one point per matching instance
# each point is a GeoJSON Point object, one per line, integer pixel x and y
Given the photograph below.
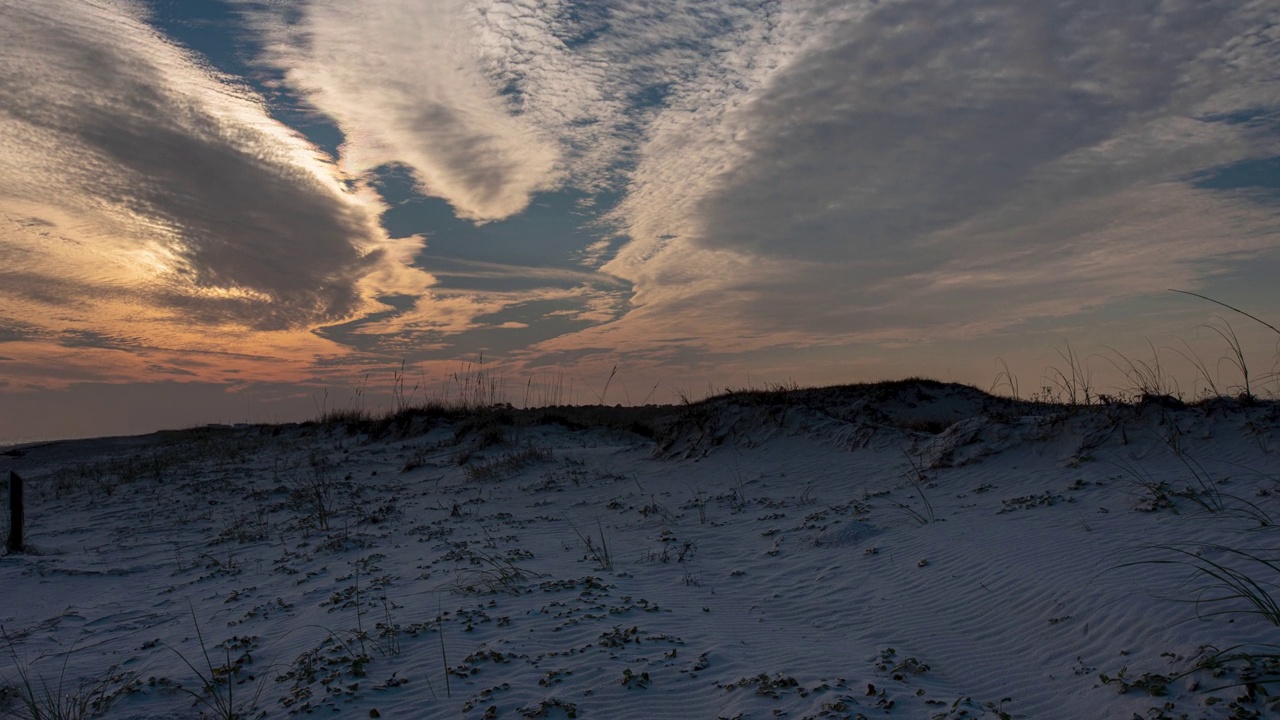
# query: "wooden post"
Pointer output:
{"type": "Point", "coordinates": [15, 513]}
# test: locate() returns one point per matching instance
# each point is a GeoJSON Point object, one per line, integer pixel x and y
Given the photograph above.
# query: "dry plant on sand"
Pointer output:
{"type": "Point", "coordinates": [218, 682]}
{"type": "Point", "coordinates": [37, 699]}
{"type": "Point", "coordinates": [596, 551]}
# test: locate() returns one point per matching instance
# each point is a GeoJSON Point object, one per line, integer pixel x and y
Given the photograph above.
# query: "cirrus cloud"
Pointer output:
{"type": "Point", "coordinates": [144, 190]}
{"type": "Point", "coordinates": [913, 169]}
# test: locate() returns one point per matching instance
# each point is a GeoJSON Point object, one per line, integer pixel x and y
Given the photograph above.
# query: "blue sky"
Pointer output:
{"type": "Point", "coordinates": [232, 207]}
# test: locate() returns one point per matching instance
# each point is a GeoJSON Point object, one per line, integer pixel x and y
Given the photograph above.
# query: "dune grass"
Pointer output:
{"type": "Point", "coordinates": [40, 698]}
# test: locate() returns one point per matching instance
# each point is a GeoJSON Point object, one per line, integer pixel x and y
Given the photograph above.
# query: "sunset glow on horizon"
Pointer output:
{"type": "Point", "coordinates": [237, 210]}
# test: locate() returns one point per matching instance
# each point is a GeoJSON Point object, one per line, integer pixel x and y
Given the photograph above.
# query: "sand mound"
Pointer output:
{"type": "Point", "coordinates": [909, 549]}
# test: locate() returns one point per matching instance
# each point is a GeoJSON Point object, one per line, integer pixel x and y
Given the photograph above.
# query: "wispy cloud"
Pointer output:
{"type": "Point", "coordinates": [120, 141]}
{"type": "Point", "coordinates": [491, 102]}
{"type": "Point", "coordinates": [817, 172]}
{"type": "Point", "coordinates": [406, 83]}
{"type": "Point", "coordinates": [912, 168]}
{"type": "Point", "coordinates": [807, 174]}
{"type": "Point", "coordinates": [142, 188]}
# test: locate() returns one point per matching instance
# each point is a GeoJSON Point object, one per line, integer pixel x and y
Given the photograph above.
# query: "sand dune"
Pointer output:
{"type": "Point", "coordinates": [910, 549]}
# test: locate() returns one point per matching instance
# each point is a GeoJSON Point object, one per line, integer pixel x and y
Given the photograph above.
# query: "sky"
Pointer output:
{"type": "Point", "coordinates": [252, 210]}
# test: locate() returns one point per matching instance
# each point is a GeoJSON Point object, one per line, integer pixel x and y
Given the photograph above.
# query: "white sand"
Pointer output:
{"type": "Point", "coordinates": [812, 579]}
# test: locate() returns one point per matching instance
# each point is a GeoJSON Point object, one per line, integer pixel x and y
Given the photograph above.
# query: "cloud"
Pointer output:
{"type": "Point", "coordinates": [446, 319]}
{"type": "Point", "coordinates": [910, 170]}
{"type": "Point", "coordinates": [123, 144]}
{"type": "Point", "coordinates": [489, 103]}
{"type": "Point", "coordinates": [406, 84]}
{"type": "Point", "coordinates": [918, 117]}
{"type": "Point", "coordinates": [818, 172]}
{"type": "Point", "coordinates": [16, 331]}
{"type": "Point", "coordinates": [150, 200]}
{"type": "Point", "coordinates": [803, 174]}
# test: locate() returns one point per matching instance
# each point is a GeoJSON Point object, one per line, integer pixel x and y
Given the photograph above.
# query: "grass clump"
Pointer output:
{"type": "Point", "coordinates": [315, 493]}
{"type": "Point", "coordinates": [1226, 580]}
{"type": "Point", "coordinates": [36, 698]}
{"type": "Point", "coordinates": [491, 573]}
{"type": "Point", "coordinates": [508, 464]}
{"type": "Point", "coordinates": [919, 480]}
{"type": "Point", "coordinates": [218, 681]}
{"type": "Point", "coordinates": [596, 550]}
